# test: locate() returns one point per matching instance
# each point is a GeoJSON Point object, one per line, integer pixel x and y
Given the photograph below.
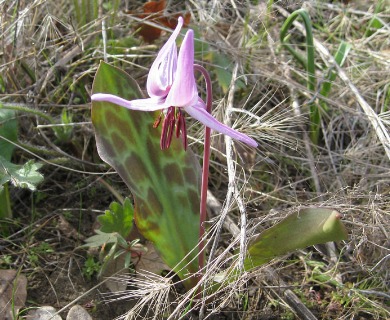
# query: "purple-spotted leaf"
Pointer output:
{"type": "Point", "coordinates": [165, 184]}
{"type": "Point", "coordinates": [307, 227]}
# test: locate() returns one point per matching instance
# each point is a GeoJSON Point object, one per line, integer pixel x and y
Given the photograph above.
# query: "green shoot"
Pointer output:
{"type": "Point", "coordinates": [91, 267]}
{"type": "Point", "coordinates": [308, 63]}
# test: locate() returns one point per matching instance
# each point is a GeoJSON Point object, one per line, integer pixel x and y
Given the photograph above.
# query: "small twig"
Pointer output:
{"type": "Point", "coordinates": [327, 145]}
{"type": "Point", "coordinates": [55, 125]}
{"type": "Point", "coordinates": [232, 191]}
{"type": "Point", "coordinates": [52, 162]}
{"type": "Point", "coordinates": [243, 230]}
{"type": "Point", "coordinates": [300, 309]}
{"type": "Point", "coordinates": [113, 191]}
{"type": "Point", "coordinates": [375, 293]}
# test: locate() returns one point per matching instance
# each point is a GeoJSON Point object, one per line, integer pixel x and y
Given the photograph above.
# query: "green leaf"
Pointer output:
{"type": "Point", "coordinates": [118, 218]}
{"type": "Point", "coordinates": [165, 184]}
{"type": "Point", "coordinates": [23, 176]}
{"type": "Point", "coordinates": [307, 227]}
{"type": "Point", "coordinates": [223, 71]}
{"type": "Point", "coordinates": [9, 131]}
{"type": "Point", "coordinates": [375, 24]}
{"type": "Point", "coordinates": [340, 57]}
{"type": "Point", "coordinates": [109, 244]}
{"type": "Point", "coordinates": [100, 239]}
{"type": "Point", "coordinates": [64, 132]}
{"type": "Point", "coordinates": [308, 63]}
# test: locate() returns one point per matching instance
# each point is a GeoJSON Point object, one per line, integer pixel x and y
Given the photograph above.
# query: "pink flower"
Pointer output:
{"type": "Point", "coordinates": [171, 87]}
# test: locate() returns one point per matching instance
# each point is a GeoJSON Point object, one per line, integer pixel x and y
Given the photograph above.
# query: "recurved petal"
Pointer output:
{"type": "Point", "coordinates": [200, 113]}
{"type": "Point", "coordinates": [162, 71]}
{"type": "Point", "coordinates": [183, 92]}
{"type": "Point", "coordinates": [150, 104]}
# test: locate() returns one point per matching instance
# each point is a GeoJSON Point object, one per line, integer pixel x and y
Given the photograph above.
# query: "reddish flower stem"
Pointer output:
{"type": "Point", "coordinates": [205, 172]}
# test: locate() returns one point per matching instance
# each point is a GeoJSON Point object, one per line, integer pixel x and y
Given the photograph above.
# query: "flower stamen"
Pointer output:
{"type": "Point", "coordinates": [173, 117]}
{"type": "Point", "coordinates": [157, 121]}
{"type": "Point", "coordinates": [181, 128]}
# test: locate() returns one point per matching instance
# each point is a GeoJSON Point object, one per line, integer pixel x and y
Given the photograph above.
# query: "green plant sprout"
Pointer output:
{"type": "Point", "coordinates": [91, 267]}
{"type": "Point", "coordinates": [113, 245]}
{"type": "Point", "coordinates": [309, 64]}
{"type": "Point", "coordinates": [5, 261]}
{"type": "Point", "coordinates": [86, 12]}
{"type": "Point", "coordinates": [64, 132]}
{"type": "Point", "coordinates": [33, 253]}
{"type": "Point", "coordinates": [116, 226]}
{"type": "Point", "coordinates": [8, 130]}
{"type": "Point", "coordinates": [163, 174]}
{"type": "Point", "coordinates": [376, 23]}
{"type": "Point", "coordinates": [23, 176]}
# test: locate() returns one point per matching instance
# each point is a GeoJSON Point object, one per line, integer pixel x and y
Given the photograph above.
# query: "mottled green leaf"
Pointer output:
{"type": "Point", "coordinates": [119, 218]}
{"type": "Point", "coordinates": [165, 184]}
{"type": "Point", "coordinates": [307, 227]}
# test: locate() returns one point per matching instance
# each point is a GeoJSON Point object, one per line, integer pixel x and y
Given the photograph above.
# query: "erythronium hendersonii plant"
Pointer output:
{"type": "Point", "coordinates": [162, 175]}
{"type": "Point", "coordinates": [171, 87]}
{"type": "Point", "coordinates": [165, 184]}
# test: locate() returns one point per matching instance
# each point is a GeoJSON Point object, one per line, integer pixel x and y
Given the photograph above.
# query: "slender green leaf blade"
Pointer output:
{"type": "Point", "coordinates": [340, 57]}
{"type": "Point", "coordinates": [8, 130]}
{"type": "Point", "coordinates": [165, 184]}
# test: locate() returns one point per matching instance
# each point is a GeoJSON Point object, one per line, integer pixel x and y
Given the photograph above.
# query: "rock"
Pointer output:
{"type": "Point", "coordinates": [43, 313]}
{"type": "Point", "coordinates": [78, 313]}
{"type": "Point", "coordinates": [13, 292]}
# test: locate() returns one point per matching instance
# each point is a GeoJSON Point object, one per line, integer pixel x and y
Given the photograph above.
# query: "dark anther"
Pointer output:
{"type": "Point", "coordinates": [157, 121]}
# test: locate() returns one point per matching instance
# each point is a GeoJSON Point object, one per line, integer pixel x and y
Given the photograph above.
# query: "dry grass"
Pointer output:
{"type": "Point", "coordinates": [47, 64]}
